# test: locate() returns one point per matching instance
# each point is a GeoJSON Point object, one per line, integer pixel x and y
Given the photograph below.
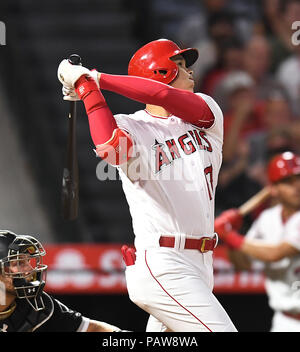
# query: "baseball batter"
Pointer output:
{"type": "Point", "coordinates": [168, 156]}
{"type": "Point", "coordinates": [274, 238]}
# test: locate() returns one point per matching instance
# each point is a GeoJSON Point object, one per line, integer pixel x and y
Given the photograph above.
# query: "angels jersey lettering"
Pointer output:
{"type": "Point", "coordinates": [170, 183]}
{"type": "Point", "coordinates": [173, 148]}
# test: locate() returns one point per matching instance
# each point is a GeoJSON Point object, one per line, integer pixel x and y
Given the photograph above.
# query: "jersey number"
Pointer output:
{"type": "Point", "coordinates": [208, 171]}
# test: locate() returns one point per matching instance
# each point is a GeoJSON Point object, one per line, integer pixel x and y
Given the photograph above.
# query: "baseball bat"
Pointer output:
{"type": "Point", "coordinates": [255, 201]}
{"type": "Point", "coordinates": [70, 180]}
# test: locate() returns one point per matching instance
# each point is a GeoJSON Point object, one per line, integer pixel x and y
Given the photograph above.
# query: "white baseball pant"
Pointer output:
{"type": "Point", "coordinates": [283, 323]}
{"type": "Point", "coordinates": [175, 288]}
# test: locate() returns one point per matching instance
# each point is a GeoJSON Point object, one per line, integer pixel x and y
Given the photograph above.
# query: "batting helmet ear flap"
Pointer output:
{"type": "Point", "coordinates": [153, 60]}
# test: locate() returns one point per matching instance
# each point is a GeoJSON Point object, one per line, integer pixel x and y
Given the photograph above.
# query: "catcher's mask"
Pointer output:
{"type": "Point", "coordinates": [21, 259]}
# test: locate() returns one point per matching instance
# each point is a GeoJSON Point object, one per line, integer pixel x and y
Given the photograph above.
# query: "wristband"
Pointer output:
{"type": "Point", "coordinates": [233, 239]}
{"type": "Point", "coordinates": [89, 93]}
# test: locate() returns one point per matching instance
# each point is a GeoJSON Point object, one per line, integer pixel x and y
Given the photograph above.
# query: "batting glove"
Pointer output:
{"type": "Point", "coordinates": [69, 74]}
{"type": "Point", "coordinates": [228, 235]}
{"type": "Point", "coordinates": [226, 225]}
{"type": "Point", "coordinates": [69, 94]}
{"type": "Point", "coordinates": [231, 217]}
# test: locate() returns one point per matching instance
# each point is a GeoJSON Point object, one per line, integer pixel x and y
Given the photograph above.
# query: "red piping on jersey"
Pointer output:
{"type": "Point", "coordinates": [171, 295]}
{"type": "Point", "coordinates": [157, 117]}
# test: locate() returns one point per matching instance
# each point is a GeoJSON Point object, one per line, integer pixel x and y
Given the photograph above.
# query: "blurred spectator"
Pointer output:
{"type": "Point", "coordinates": [288, 75]}
{"type": "Point", "coordinates": [295, 135]}
{"type": "Point", "coordinates": [276, 137]}
{"type": "Point", "coordinates": [229, 60]}
{"type": "Point", "coordinates": [169, 14]}
{"type": "Point", "coordinates": [248, 16]}
{"type": "Point", "coordinates": [253, 132]}
{"type": "Point", "coordinates": [257, 60]}
{"type": "Point", "coordinates": [243, 114]}
{"type": "Point", "coordinates": [243, 118]}
{"type": "Point", "coordinates": [220, 31]}
{"type": "Point", "coordinates": [194, 27]}
{"type": "Point", "coordinates": [280, 14]}
{"type": "Point", "coordinates": [233, 176]}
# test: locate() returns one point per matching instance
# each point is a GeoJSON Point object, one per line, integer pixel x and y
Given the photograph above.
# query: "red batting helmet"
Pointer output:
{"type": "Point", "coordinates": [283, 165]}
{"type": "Point", "coordinates": [153, 60]}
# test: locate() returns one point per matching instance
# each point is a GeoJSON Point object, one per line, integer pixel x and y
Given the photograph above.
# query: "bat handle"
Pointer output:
{"type": "Point", "coordinates": [75, 59]}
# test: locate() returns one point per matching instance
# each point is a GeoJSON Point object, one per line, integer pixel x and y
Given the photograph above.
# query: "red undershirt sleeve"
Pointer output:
{"type": "Point", "coordinates": [112, 144]}
{"type": "Point", "coordinates": [184, 104]}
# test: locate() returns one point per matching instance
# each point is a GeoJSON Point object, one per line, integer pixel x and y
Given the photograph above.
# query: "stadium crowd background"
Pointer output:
{"type": "Point", "coordinates": [248, 62]}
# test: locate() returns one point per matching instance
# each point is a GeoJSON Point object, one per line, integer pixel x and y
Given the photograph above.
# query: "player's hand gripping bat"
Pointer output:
{"type": "Point", "coordinates": [70, 181]}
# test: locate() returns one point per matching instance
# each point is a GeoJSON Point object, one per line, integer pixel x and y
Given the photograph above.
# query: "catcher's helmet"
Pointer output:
{"type": "Point", "coordinates": [153, 60]}
{"type": "Point", "coordinates": [283, 165]}
{"type": "Point", "coordinates": [21, 259]}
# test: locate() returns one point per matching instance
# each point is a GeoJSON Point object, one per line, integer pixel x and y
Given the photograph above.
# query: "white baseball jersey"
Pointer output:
{"type": "Point", "coordinates": [282, 277]}
{"type": "Point", "coordinates": [170, 186]}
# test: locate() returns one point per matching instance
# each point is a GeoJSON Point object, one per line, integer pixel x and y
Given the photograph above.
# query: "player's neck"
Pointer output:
{"type": "Point", "coordinates": [287, 212]}
{"type": "Point", "coordinates": [156, 110]}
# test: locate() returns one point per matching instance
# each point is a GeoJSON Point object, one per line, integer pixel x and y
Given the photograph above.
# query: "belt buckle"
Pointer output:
{"type": "Point", "coordinates": [202, 248]}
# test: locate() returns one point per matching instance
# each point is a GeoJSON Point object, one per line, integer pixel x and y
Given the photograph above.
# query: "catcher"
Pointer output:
{"type": "Point", "coordinates": [273, 238]}
{"type": "Point", "coordinates": [24, 306]}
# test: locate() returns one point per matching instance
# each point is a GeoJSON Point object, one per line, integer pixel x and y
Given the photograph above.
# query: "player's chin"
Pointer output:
{"type": "Point", "coordinates": [191, 85]}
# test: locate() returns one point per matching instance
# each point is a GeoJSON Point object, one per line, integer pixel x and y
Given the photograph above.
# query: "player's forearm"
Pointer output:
{"type": "Point", "coordinates": [101, 120]}
{"type": "Point", "coordinates": [255, 249]}
{"type": "Point", "coordinates": [102, 125]}
{"type": "Point", "coordinates": [181, 103]}
{"type": "Point", "coordinates": [268, 252]}
{"type": "Point", "coordinates": [112, 144]}
{"type": "Point", "coordinates": [261, 251]}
